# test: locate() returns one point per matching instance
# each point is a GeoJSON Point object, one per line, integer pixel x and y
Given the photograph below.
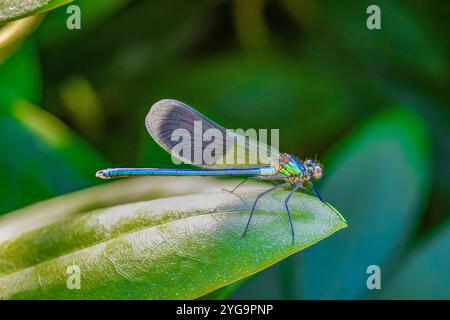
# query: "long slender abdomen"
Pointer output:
{"type": "Point", "coordinates": [131, 172]}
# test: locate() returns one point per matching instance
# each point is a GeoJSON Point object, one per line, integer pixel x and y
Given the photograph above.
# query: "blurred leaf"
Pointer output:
{"type": "Point", "coordinates": [16, 9]}
{"type": "Point", "coordinates": [424, 274]}
{"type": "Point", "coordinates": [180, 247]}
{"type": "Point", "coordinates": [121, 65]}
{"type": "Point", "coordinates": [82, 103]}
{"type": "Point", "coordinates": [12, 35]}
{"type": "Point", "coordinates": [406, 44]}
{"type": "Point", "coordinates": [20, 77]}
{"type": "Point", "coordinates": [250, 25]}
{"type": "Point", "coordinates": [380, 177]}
{"type": "Point", "coordinates": [268, 284]}
{"type": "Point", "coordinates": [44, 157]}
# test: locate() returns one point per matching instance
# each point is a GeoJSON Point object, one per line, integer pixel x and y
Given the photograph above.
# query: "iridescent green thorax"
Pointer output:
{"type": "Point", "coordinates": [290, 169]}
{"type": "Point", "coordinates": [289, 166]}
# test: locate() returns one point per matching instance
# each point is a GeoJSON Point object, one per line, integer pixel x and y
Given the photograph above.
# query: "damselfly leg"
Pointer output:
{"type": "Point", "coordinates": [317, 192]}
{"type": "Point", "coordinates": [235, 188]}
{"type": "Point", "coordinates": [256, 200]}
{"type": "Point", "coordinates": [286, 201]}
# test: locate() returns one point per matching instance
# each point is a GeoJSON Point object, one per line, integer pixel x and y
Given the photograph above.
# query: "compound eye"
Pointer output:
{"type": "Point", "coordinates": [318, 172]}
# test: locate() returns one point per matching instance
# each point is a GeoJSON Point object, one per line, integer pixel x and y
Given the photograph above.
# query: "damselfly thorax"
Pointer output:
{"type": "Point", "coordinates": [289, 168]}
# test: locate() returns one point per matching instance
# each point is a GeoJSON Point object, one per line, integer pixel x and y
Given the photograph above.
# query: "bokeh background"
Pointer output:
{"type": "Point", "coordinates": [373, 105]}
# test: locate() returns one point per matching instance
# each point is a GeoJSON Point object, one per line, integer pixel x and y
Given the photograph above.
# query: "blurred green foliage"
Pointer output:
{"type": "Point", "coordinates": [373, 106]}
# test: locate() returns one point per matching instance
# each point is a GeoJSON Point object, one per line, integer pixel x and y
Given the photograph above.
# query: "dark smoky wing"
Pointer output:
{"type": "Point", "coordinates": [169, 116]}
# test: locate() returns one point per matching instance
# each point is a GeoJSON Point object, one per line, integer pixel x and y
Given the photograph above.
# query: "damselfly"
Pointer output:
{"type": "Point", "coordinates": [230, 156]}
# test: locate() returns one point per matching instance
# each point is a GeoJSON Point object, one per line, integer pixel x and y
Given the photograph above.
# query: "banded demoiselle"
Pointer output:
{"type": "Point", "coordinates": [167, 116]}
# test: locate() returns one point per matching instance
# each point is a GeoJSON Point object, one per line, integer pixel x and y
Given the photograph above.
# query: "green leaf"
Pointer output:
{"type": "Point", "coordinates": [172, 248]}
{"type": "Point", "coordinates": [16, 9]}
{"type": "Point", "coordinates": [225, 292]}
{"type": "Point", "coordinates": [424, 273]}
{"type": "Point", "coordinates": [380, 177]}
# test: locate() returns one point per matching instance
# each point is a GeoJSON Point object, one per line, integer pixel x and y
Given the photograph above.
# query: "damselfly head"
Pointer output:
{"type": "Point", "coordinates": [314, 169]}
